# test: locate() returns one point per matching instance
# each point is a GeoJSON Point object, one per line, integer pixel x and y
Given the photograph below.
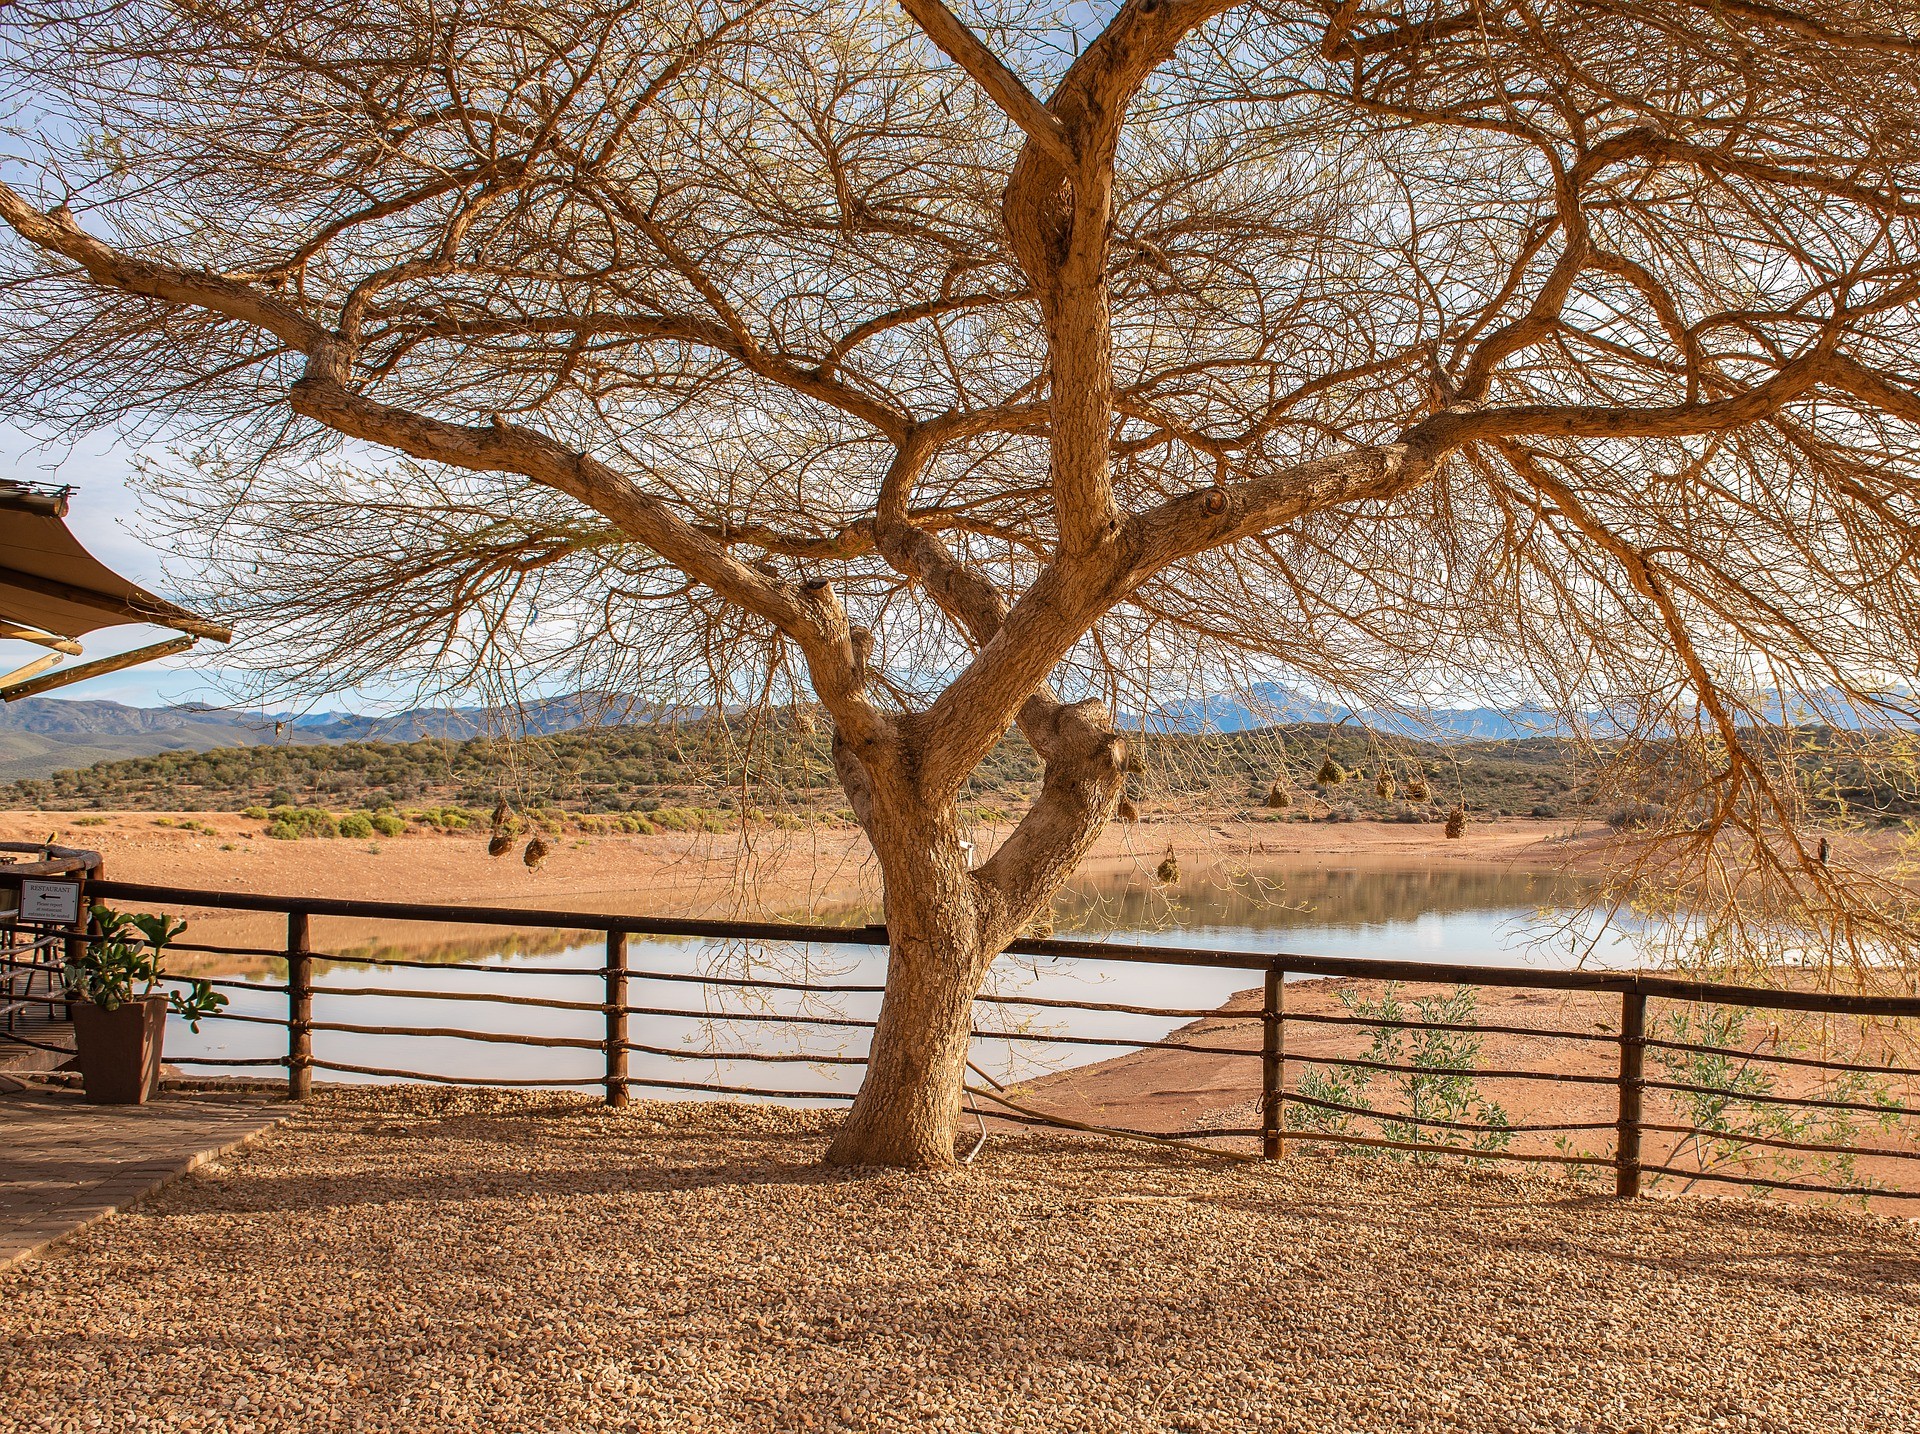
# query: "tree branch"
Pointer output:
{"type": "Point", "coordinates": [1006, 89]}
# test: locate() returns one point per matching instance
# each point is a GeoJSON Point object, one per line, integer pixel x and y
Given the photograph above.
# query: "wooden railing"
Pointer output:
{"type": "Point", "coordinates": [1315, 1119]}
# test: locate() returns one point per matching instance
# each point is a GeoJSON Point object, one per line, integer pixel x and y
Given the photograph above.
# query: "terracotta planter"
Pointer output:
{"type": "Point", "coordinates": [120, 1049]}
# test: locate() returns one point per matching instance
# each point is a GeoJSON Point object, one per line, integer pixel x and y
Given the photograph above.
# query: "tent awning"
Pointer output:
{"type": "Point", "coordinates": [52, 591]}
{"type": "Point", "coordinates": [48, 581]}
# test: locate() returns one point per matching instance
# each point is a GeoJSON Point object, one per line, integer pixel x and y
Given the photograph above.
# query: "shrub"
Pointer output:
{"type": "Point", "coordinates": [257, 814]}
{"type": "Point", "coordinates": [1636, 816]}
{"type": "Point", "coordinates": [356, 825]}
{"type": "Point", "coordinates": [446, 819]}
{"type": "Point", "coordinates": [293, 823]}
{"type": "Point", "coordinates": [1444, 1095]}
{"type": "Point", "coordinates": [388, 824]}
{"type": "Point", "coordinates": [1735, 1104]}
{"type": "Point", "coordinates": [692, 819]}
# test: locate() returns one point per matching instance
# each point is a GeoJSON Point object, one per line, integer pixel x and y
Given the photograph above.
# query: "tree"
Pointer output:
{"type": "Point", "coordinates": [1558, 346]}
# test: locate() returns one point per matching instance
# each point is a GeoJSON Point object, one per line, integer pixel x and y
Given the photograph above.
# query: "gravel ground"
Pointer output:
{"type": "Point", "coordinates": [398, 1259]}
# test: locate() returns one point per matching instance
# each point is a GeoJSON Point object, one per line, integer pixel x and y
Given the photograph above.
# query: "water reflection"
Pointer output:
{"type": "Point", "coordinates": [1484, 917]}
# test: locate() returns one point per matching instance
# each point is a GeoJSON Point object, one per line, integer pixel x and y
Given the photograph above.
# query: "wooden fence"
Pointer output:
{"type": "Point", "coordinates": [1326, 1120]}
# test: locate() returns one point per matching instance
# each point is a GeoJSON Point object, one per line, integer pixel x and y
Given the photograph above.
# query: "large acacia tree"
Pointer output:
{"type": "Point", "coordinates": [956, 373]}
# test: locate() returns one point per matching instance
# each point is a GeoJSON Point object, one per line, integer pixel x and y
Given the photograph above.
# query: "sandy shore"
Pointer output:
{"type": "Point", "coordinates": [425, 1262]}
{"type": "Point", "coordinates": [824, 872]}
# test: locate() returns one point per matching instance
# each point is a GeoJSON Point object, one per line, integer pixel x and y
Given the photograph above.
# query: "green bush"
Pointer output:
{"type": "Point", "coordinates": [388, 824]}
{"type": "Point", "coordinates": [1439, 1088]}
{"type": "Point", "coordinates": [256, 814]}
{"type": "Point", "coordinates": [293, 823]}
{"type": "Point", "coordinates": [356, 825]}
{"type": "Point", "coordinates": [446, 819]}
{"type": "Point", "coordinates": [1735, 1108]}
{"type": "Point", "coordinates": [692, 819]}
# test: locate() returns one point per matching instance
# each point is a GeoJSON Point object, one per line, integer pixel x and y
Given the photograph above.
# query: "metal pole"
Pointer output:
{"type": "Point", "coordinates": [299, 1006]}
{"type": "Point", "coordinates": [1273, 1050]}
{"type": "Point", "coordinates": [617, 1018]}
{"type": "Point", "coordinates": [1633, 1054]}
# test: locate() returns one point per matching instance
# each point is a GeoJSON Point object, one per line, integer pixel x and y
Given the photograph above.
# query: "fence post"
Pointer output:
{"type": "Point", "coordinates": [1273, 1048]}
{"type": "Point", "coordinates": [616, 1018]}
{"type": "Point", "coordinates": [1633, 1054]}
{"type": "Point", "coordinates": [75, 946]}
{"type": "Point", "coordinates": [299, 1007]}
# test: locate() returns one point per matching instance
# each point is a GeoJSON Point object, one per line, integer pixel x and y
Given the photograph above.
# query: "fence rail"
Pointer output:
{"type": "Point", "coordinates": [1284, 1114]}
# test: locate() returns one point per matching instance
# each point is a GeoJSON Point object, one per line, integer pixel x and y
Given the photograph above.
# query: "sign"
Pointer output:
{"type": "Point", "coordinates": [56, 903]}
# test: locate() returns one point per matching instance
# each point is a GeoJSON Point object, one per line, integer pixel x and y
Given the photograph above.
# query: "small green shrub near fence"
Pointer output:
{"type": "Point", "coordinates": [1436, 1090]}
{"type": "Point", "coordinates": [1736, 1111]}
{"type": "Point", "coordinates": [1726, 1125]}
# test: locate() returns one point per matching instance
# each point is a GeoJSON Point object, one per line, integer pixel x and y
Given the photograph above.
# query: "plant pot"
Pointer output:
{"type": "Point", "coordinates": [120, 1049]}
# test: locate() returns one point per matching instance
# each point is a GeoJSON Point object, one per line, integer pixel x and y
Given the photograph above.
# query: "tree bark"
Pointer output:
{"type": "Point", "coordinates": [946, 922]}
{"type": "Point", "coordinates": [909, 1103]}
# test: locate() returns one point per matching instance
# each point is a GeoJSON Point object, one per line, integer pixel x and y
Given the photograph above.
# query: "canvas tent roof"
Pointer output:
{"type": "Point", "coordinates": [52, 590]}
{"type": "Point", "coordinates": [49, 581]}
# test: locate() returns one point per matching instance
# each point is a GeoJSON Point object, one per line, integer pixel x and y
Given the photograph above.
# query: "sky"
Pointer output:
{"type": "Point", "coordinates": [104, 515]}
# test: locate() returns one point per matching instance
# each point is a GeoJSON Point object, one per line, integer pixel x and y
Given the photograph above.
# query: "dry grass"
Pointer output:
{"type": "Point", "coordinates": [417, 1261]}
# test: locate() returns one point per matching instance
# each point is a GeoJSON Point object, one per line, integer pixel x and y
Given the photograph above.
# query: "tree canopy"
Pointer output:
{"type": "Point", "coordinates": [949, 371]}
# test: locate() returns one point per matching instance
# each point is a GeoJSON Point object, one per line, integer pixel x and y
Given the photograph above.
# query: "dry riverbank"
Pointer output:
{"type": "Point", "coordinates": [420, 1262]}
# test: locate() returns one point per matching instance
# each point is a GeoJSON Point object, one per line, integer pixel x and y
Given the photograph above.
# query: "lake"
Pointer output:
{"type": "Point", "coordinates": [1493, 917]}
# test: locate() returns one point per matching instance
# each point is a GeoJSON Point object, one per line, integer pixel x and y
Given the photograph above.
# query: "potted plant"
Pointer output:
{"type": "Point", "coordinates": [119, 1017]}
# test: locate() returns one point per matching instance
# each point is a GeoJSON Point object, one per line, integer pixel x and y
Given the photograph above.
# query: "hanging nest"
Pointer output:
{"type": "Point", "coordinates": [1457, 823]}
{"type": "Point", "coordinates": [501, 844]}
{"type": "Point", "coordinates": [535, 853]}
{"type": "Point", "coordinates": [501, 811]}
{"type": "Point", "coordinates": [1384, 787]}
{"type": "Point", "coordinates": [1169, 869]}
{"type": "Point", "coordinates": [1127, 811]}
{"type": "Point", "coordinates": [1417, 790]}
{"type": "Point", "coordinates": [1278, 797]}
{"type": "Point", "coordinates": [1331, 773]}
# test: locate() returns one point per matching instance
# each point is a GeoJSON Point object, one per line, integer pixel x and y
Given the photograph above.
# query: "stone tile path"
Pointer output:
{"type": "Point", "coordinates": [64, 1163]}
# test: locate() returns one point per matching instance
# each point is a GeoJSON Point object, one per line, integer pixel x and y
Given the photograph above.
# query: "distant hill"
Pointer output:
{"type": "Point", "coordinates": [715, 766]}
{"type": "Point", "coordinates": [1268, 704]}
{"type": "Point", "coordinates": [40, 735]}
{"type": "Point", "coordinates": [43, 735]}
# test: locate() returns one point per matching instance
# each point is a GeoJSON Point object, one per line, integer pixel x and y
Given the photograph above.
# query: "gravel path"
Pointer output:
{"type": "Point", "coordinates": [417, 1261]}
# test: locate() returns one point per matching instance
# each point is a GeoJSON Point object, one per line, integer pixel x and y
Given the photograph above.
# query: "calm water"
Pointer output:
{"type": "Point", "coordinates": [1495, 918]}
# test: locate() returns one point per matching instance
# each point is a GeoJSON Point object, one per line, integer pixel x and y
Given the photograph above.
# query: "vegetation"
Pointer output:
{"type": "Point", "coordinates": [962, 370]}
{"type": "Point", "coordinates": [122, 963]}
{"type": "Point", "coordinates": [1440, 1087]}
{"type": "Point", "coordinates": [676, 777]}
{"type": "Point", "coordinates": [696, 777]}
{"type": "Point", "coordinates": [1734, 1110]}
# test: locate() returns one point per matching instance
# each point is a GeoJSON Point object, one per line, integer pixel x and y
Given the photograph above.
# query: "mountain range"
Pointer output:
{"type": "Point", "coordinates": [1268, 704]}
{"type": "Point", "coordinates": [43, 735]}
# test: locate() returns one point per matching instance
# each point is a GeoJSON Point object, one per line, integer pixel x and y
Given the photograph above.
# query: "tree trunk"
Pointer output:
{"type": "Point", "coordinates": [909, 1103]}
{"type": "Point", "coordinates": [946, 923]}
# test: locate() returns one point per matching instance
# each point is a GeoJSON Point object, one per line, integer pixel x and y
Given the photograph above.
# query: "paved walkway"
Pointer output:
{"type": "Point", "coordinates": [64, 1163]}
